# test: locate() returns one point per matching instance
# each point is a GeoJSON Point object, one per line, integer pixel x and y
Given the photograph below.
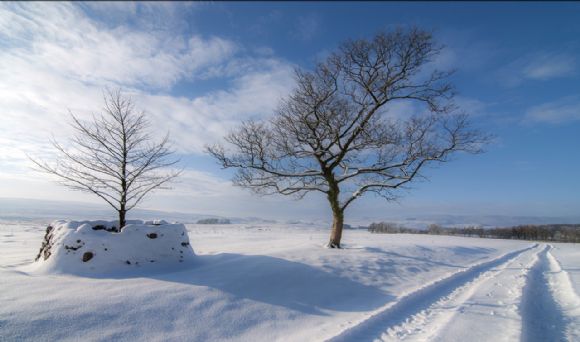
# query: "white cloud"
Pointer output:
{"type": "Point", "coordinates": [556, 112]}
{"type": "Point", "coordinates": [464, 50]}
{"type": "Point", "coordinates": [196, 122]}
{"type": "Point", "coordinates": [546, 66]}
{"type": "Point", "coordinates": [538, 67]}
{"type": "Point", "coordinates": [61, 39]}
{"type": "Point", "coordinates": [471, 106]}
{"type": "Point", "coordinates": [55, 58]}
{"type": "Point", "coordinates": [146, 15]}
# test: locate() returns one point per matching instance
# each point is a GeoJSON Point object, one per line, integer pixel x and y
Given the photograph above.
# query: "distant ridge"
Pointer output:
{"type": "Point", "coordinates": [33, 209]}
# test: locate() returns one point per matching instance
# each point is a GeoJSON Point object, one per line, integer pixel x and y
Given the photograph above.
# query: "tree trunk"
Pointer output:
{"type": "Point", "coordinates": [337, 212]}
{"type": "Point", "coordinates": [123, 203]}
{"type": "Point", "coordinates": [122, 222]}
{"type": "Point", "coordinates": [336, 233]}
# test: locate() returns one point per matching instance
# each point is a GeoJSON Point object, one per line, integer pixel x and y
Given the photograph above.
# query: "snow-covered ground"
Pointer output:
{"type": "Point", "coordinates": [268, 282]}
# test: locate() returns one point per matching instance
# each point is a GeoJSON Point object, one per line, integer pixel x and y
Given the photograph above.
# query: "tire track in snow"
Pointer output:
{"type": "Point", "coordinates": [484, 309]}
{"type": "Point", "coordinates": [550, 308]}
{"type": "Point", "coordinates": [565, 295]}
{"type": "Point", "coordinates": [394, 314]}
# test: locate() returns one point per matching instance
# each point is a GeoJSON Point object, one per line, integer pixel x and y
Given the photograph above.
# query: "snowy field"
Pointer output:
{"type": "Point", "coordinates": [270, 282]}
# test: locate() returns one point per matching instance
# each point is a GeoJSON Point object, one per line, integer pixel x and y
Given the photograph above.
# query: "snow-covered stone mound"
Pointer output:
{"type": "Point", "coordinates": [96, 248]}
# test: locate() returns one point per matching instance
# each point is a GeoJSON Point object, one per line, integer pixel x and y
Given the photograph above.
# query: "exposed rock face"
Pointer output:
{"type": "Point", "coordinates": [95, 247]}
{"type": "Point", "coordinates": [87, 256]}
{"type": "Point", "coordinates": [46, 245]}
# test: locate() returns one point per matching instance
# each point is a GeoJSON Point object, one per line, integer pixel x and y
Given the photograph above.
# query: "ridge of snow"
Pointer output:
{"type": "Point", "coordinates": [564, 295]}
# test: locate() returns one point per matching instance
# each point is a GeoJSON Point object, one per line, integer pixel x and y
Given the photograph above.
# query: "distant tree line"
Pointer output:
{"type": "Point", "coordinates": [393, 228]}
{"type": "Point", "coordinates": [213, 221]}
{"type": "Point", "coordinates": [547, 232]}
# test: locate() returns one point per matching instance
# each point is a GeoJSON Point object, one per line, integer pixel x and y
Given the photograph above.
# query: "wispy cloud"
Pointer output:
{"type": "Point", "coordinates": [543, 67]}
{"type": "Point", "coordinates": [60, 38]}
{"type": "Point", "coordinates": [205, 119]}
{"type": "Point", "coordinates": [465, 50]}
{"type": "Point", "coordinates": [471, 106]}
{"type": "Point", "coordinates": [55, 57]}
{"type": "Point", "coordinates": [538, 67]}
{"type": "Point", "coordinates": [261, 25]}
{"type": "Point", "coordinates": [306, 27]}
{"type": "Point", "coordinates": [151, 16]}
{"type": "Point", "coordinates": [556, 112]}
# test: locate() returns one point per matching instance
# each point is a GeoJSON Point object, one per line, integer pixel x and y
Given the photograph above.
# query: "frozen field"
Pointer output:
{"type": "Point", "coordinates": [277, 282]}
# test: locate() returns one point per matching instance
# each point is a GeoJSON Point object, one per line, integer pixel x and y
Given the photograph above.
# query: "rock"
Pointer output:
{"type": "Point", "coordinates": [74, 248]}
{"type": "Point", "coordinates": [113, 229]}
{"type": "Point", "coordinates": [87, 256]}
{"type": "Point", "coordinates": [45, 248]}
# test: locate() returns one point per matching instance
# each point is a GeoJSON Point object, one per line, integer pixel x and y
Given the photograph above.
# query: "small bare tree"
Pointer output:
{"type": "Point", "coordinates": [113, 156]}
{"type": "Point", "coordinates": [335, 135]}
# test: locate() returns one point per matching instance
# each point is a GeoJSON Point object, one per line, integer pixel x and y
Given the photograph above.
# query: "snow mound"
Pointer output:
{"type": "Point", "coordinates": [96, 248]}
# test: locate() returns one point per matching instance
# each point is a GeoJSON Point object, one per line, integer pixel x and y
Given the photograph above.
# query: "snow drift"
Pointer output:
{"type": "Point", "coordinates": [96, 248]}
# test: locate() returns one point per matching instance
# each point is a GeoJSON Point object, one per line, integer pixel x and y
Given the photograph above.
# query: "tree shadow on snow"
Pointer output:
{"type": "Point", "coordinates": [466, 251]}
{"type": "Point", "coordinates": [476, 252]}
{"type": "Point", "coordinates": [280, 282]}
{"type": "Point", "coordinates": [421, 260]}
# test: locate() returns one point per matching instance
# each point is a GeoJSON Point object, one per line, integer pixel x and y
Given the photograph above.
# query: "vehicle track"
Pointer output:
{"type": "Point", "coordinates": [567, 299]}
{"type": "Point", "coordinates": [542, 319]}
{"type": "Point", "coordinates": [416, 304]}
{"type": "Point", "coordinates": [486, 308]}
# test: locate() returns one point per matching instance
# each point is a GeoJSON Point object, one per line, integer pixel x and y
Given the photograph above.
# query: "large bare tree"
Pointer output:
{"type": "Point", "coordinates": [113, 156]}
{"type": "Point", "coordinates": [336, 133]}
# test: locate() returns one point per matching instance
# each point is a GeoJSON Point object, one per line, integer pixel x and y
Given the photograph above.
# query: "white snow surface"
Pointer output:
{"type": "Point", "coordinates": [272, 282]}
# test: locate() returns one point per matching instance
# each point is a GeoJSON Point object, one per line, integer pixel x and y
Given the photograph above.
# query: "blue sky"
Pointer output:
{"type": "Point", "coordinates": [198, 69]}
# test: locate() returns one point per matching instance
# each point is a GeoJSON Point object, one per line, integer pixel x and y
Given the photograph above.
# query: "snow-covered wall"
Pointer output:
{"type": "Point", "coordinates": [95, 248]}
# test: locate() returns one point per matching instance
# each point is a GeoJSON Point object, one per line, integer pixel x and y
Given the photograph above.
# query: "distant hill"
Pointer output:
{"type": "Point", "coordinates": [32, 209]}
